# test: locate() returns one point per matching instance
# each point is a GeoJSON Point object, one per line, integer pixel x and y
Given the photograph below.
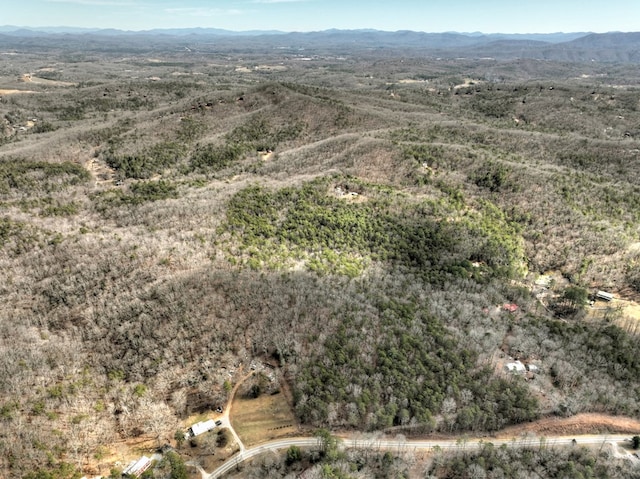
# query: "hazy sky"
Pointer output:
{"type": "Point", "coordinates": [488, 16]}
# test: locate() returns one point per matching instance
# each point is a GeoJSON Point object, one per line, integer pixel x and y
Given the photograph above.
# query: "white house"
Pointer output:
{"type": "Point", "coordinates": [516, 367]}
{"type": "Point", "coordinates": [201, 427]}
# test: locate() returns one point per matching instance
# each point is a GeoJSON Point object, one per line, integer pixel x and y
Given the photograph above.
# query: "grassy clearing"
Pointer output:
{"type": "Point", "coordinates": [264, 418]}
{"type": "Point", "coordinates": [629, 319]}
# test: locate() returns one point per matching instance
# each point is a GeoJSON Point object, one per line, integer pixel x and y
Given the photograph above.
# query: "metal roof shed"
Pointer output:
{"type": "Point", "coordinates": [604, 295]}
{"type": "Point", "coordinates": [202, 427]}
{"type": "Point", "coordinates": [136, 468]}
{"type": "Point", "coordinates": [516, 367]}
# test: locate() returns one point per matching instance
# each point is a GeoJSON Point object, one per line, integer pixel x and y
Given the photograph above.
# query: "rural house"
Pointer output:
{"type": "Point", "coordinates": [200, 428]}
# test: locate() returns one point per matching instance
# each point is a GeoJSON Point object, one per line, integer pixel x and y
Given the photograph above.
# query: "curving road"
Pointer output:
{"type": "Point", "coordinates": [398, 444]}
{"type": "Point", "coordinates": [414, 445]}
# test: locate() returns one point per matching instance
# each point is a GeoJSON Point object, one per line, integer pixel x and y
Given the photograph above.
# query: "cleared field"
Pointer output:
{"type": "Point", "coordinates": [629, 319]}
{"type": "Point", "coordinates": [263, 418]}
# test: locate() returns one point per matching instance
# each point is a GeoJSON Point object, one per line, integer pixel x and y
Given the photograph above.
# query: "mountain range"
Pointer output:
{"type": "Point", "coordinates": [621, 47]}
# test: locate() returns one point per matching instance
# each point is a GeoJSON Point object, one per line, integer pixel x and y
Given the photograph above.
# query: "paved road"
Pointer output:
{"type": "Point", "coordinates": [396, 444]}
{"type": "Point", "coordinates": [413, 445]}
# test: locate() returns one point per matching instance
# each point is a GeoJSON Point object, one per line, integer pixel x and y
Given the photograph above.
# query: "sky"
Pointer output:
{"type": "Point", "coordinates": [487, 16]}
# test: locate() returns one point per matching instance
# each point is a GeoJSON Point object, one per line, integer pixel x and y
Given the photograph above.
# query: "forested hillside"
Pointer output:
{"type": "Point", "coordinates": [388, 233]}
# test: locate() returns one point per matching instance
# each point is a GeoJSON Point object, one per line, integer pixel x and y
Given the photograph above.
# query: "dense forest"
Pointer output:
{"type": "Point", "coordinates": [387, 232]}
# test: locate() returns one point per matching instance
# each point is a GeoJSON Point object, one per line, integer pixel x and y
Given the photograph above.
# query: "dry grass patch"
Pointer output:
{"type": "Point", "coordinates": [264, 418]}
{"type": "Point", "coordinates": [630, 317]}
{"type": "Point", "coordinates": [15, 92]}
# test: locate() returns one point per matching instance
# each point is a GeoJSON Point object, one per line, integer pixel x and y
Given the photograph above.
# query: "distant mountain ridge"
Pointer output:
{"type": "Point", "coordinates": [15, 30]}
{"type": "Point", "coordinates": [621, 47]}
{"type": "Point", "coordinates": [547, 37]}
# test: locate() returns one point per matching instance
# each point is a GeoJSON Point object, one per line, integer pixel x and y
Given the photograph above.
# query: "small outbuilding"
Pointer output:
{"type": "Point", "coordinates": [137, 467]}
{"type": "Point", "coordinates": [516, 367]}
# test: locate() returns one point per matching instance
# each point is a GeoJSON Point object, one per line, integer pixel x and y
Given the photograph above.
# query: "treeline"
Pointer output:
{"type": "Point", "coordinates": [27, 178]}
{"type": "Point", "coordinates": [533, 461]}
{"type": "Point", "coordinates": [397, 365]}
